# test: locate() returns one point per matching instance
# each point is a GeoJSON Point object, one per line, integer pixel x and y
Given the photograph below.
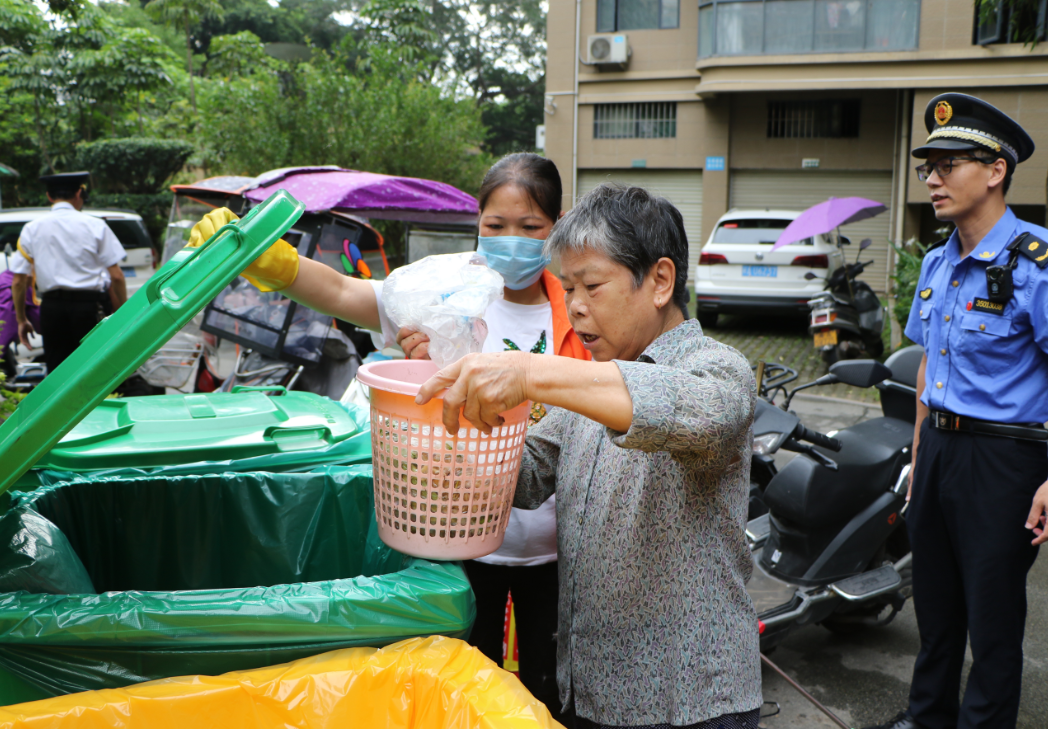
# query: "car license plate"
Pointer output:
{"type": "Point", "coordinates": [761, 271]}
{"type": "Point", "coordinates": [129, 272]}
{"type": "Point", "coordinates": [827, 338]}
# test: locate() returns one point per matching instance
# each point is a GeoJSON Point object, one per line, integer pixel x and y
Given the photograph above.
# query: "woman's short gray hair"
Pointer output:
{"type": "Point", "coordinates": [630, 226]}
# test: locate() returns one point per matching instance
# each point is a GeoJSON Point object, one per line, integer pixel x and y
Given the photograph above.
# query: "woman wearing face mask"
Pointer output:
{"type": "Point", "coordinates": [519, 204]}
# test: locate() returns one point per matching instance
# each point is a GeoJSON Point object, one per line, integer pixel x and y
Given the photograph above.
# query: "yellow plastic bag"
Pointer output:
{"type": "Point", "coordinates": [422, 683]}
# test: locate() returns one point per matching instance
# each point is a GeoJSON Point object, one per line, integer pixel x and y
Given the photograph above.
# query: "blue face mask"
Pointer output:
{"type": "Point", "coordinates": [518, 259]}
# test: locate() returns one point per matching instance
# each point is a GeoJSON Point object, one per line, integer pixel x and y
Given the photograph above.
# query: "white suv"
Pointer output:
{"type": "Point", "coordinates": [738, 273]}
{"type": "Point", "coordinates": [138, 264]}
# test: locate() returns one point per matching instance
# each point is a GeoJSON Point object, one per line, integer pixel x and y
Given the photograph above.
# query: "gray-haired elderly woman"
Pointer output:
{"type": "Point", "coordinates": [648, 450]}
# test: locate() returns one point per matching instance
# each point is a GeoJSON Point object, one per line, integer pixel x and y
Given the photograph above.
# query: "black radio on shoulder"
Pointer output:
{"type": "Point", "coordinates": [999, 288]}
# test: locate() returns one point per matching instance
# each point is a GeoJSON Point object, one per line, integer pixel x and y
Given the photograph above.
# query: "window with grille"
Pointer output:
{"type": "Point", "coordinates": [829, 118]}
{"type": "Point", "coordinates": [655, 120]}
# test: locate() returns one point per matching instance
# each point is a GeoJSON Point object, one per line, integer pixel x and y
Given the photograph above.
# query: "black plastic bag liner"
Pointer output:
{"type": "Point", "coordinates": [112, 582]}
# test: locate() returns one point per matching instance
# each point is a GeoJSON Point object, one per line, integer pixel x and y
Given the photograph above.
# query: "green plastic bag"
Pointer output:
{"type": "Point", "coordinates": [204, 575]}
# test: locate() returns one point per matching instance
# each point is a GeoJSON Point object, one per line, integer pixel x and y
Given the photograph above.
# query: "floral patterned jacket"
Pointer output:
{"type": "Point", "coordinates": [655, 625]}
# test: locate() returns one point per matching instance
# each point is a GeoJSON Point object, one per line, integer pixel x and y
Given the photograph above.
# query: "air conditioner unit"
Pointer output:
{"type": "Point", "coordinates": [608, 48]}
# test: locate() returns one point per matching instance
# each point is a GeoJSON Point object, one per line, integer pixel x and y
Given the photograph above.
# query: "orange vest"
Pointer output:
{"type": "Point", "coordinates": [565, 341]}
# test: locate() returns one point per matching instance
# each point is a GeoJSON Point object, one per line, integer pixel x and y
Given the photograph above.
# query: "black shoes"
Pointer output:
{"type": "Point", "coordinates": [902, 721]}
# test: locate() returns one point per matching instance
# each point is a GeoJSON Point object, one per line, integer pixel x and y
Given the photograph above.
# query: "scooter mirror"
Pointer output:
{"type": "Point", "coordinates": [865, 243]}
{"type": "Point", "coordinates": [860, 372]}
{"type": "Point", "coordinates": [810, 276]}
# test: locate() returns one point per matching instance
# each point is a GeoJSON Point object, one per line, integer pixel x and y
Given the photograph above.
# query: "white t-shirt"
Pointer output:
{"type": "Point", "coordinates": [70, 250]}
{"type": "Point", "coordinates": [531, 535]}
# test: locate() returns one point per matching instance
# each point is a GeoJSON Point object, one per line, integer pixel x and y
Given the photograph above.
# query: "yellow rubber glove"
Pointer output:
{"type": "Point", "coordinates": [274, 270]}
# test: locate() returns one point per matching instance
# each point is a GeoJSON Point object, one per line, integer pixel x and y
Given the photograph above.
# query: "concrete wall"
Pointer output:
{"type": "Point", "coordinates": [686, 150]}
{"type": "Point", "coordinates": [560, 78]}
{"type": "Point", "coordinates": [871, 150]}
{"type": "Point", "coordinates": [652, 50]}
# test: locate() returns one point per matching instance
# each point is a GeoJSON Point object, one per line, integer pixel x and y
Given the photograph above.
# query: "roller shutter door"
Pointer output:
{"type": "Point", "coordinates": [800, 189]}
{"type": "Point", "coordinates": [683, 188]}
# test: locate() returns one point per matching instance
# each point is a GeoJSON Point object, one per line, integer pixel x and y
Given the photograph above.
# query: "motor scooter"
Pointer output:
{"type": "Point", "coordinates": [847, 318]}
{"type": "Point", "coordinates": [831, 550]}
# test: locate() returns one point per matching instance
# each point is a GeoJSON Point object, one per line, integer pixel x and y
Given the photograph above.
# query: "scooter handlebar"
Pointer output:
{"type": "Point", "coordinates": [819, 439]}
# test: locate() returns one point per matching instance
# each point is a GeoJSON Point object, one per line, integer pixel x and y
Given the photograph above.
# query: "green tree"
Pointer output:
{"type": "Point", "coordinates": [386, 120]}
{"type": "Point", "coordinates": [241, 54]}
{"type": "Point", "coordinates": [133, 62]}
{"type": "Point", "coordinates": [184, 14]}
{"type": "Point", "coordinates": [487, 50]}
{"type": "Point", "coordinates": [292, 21]}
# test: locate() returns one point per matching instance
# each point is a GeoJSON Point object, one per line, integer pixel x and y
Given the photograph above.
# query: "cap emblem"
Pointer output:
{"type": "Point", "coordinates": [943, 112]}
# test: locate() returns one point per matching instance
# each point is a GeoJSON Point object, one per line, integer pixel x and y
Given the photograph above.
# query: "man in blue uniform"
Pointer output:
{"type": "Point", "coordinates": [978, 493]}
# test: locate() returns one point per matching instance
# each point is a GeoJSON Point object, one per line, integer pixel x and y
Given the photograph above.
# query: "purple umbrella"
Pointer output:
{"type": "Point", "coordinates": [369, 194]}
{"type": "Point", "coordinates": [827, 216]}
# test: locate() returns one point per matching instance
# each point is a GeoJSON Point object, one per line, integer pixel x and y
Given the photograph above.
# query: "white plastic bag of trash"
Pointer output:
{"type": "Point", "coordinates": [445, 297]}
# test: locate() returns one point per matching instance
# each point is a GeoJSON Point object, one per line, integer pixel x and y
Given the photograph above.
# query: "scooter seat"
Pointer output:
{"type": "Point", "coordinates": [812, 496]}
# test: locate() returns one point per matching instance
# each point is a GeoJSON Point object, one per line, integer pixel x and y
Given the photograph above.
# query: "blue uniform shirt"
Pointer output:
{"type": "Point", "coordinates": [984, 364]}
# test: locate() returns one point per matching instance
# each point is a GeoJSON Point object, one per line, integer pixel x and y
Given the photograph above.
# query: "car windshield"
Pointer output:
{"type": "Point", "coordinates": [185, 213]}
{"type": "Point", "coordinates": [751, 231]}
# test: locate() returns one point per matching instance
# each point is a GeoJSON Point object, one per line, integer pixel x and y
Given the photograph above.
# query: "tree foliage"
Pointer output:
{"type": "Point", "coordinates": [321, 113]}
{"type": "Point", "coordinates": [185, 14]}
{"type": "Point", "coordinates": [427, 88]}
{"type": "Point", "coordinates": [133, 164]}
{"type": "Point", "coordinates": [241, 54]}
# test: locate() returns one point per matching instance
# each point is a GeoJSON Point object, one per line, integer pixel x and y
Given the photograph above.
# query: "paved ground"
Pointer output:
{"type": "Point", "coordinates": [864, 678]}
{"type": "Point", "coordinates": [784, 340]}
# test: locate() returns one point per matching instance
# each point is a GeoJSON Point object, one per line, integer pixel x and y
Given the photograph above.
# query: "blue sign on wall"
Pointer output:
{"type": "Point", "coordinates": [715, 164]}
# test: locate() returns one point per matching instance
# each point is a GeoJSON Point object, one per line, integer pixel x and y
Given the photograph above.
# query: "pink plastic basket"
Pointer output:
{"type": "Point", "coordinates": [438, 495]}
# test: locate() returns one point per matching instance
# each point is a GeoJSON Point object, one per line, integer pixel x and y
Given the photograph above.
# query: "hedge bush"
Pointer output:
{"type": "Point", "coordinates": [907, 271]}
{"type": "Point", "coordinates": [132, 165]}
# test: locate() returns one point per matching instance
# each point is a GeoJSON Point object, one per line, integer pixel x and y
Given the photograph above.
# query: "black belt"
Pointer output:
{"type": "Point", "coordinates": [79, 295]}
{"type": "Point", "coordinates": [959, 423]}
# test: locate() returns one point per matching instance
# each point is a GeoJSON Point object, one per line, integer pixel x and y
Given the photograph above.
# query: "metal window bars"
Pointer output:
{"type": "Point", "coordinates": [647, 120]}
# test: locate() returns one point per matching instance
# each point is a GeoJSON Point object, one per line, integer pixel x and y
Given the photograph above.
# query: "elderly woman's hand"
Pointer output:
{"type": "Point", "coordinates": [482, 386]}
{"type": "Point", "coordinates": [414, 343]}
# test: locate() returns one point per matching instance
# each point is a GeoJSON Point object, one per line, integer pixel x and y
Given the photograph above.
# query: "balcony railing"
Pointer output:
{"type": "Point", "coordinates": [755, 27]}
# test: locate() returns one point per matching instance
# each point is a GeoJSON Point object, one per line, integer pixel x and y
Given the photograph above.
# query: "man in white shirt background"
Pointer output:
{"type": "Point", "coordinates": [74, 259]}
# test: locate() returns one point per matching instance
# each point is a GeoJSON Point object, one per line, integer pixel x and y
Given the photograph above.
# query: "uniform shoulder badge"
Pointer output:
{"type": "Point", "coordinates": [943, 113]}
{"type": "Point", "coordinates": [926, 293]}
{"type": "Point", "coordinates": [1035, 249]}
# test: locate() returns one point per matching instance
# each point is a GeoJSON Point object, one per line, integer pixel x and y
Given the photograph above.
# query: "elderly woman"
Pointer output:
{"type": "Point", "coordinates": [648, 451]}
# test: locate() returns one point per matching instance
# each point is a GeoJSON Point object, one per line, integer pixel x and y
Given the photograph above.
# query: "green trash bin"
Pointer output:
{"type": "Point", "coordinates": [107, 581]}
{"type": "Point", "coordinates": [179, 435]}
{"type": "Point", "coordinates": [116, 581]}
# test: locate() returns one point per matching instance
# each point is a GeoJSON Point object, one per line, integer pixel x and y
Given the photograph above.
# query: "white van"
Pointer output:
{"type": "Point", "coordinates": [138, 264]}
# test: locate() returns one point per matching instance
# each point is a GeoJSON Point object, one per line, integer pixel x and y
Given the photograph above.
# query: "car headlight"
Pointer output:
{"type": "Point", "coordinates": [765, 444]}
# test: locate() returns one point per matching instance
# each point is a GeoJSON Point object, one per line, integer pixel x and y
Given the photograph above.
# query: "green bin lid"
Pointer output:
{"type": "Point", "coordinates": [120, 343]}
{"type": "Point", "coordinates": [169, 430]}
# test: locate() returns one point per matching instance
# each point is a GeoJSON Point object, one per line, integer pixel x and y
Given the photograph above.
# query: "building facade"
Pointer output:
{"type": "Point", "coordinates": [781, 103]}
